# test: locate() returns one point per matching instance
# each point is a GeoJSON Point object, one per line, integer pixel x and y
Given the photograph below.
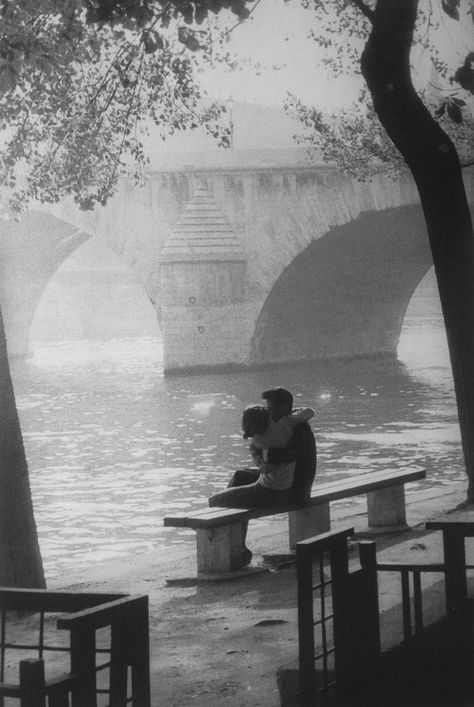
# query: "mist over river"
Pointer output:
{"type": "Point", "coordinates": [113, 445]}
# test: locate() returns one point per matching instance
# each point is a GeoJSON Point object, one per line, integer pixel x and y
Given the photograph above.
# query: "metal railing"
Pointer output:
{"type": "Point", "coordinates": [338, 614]}
{"type": "Point", "coordinates": [412, 602]}
{"type": "Point", "coordinates": [316, 647]}
{"type": "Point", "coordinates": [339, 639]}
{"type": "Point", "coordinates": [106, 637]}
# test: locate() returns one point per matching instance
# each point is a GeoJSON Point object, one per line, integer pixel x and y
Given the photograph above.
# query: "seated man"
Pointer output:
{"type": "Point", "coordinates": [301, 448]}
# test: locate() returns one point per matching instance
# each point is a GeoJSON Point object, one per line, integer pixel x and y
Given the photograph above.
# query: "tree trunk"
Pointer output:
{"type": "Point", "coordinates": [433, 161]}
{"type": "Point", "coordinates": [20, 558]}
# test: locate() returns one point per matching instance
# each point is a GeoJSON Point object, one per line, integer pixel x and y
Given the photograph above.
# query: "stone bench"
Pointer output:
{"type": "Point", "coordinates": [219, 541]}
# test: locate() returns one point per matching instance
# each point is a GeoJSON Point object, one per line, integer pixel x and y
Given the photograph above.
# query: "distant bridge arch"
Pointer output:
{"type": "Point", "coordinates": [31, 250]}
{"type": "Point", "coordinates": [346, 293]}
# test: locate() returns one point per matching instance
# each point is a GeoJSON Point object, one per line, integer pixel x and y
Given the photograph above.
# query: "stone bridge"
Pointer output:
{"type": "Point", "coordinates": [258, 259]}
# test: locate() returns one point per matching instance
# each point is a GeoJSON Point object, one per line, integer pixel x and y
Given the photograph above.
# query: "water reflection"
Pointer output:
{"type": "Point", "coordinates": [113, 446]}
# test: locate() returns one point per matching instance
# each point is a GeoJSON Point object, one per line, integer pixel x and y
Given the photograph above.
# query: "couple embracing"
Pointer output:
{"type": "Point", "coordinates": [284, 451]}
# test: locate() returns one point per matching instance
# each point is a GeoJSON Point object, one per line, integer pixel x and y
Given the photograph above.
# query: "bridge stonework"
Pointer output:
{"type": "Point", "coordinates": [254, 262]}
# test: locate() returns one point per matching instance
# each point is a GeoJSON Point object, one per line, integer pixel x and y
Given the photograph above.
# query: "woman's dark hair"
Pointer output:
{"type": "Point", "coordinates": [255, 420]}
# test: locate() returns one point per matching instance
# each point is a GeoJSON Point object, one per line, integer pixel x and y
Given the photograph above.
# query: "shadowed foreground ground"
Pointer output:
{"type": "Point", "coordinates": [433, 671]}
{"type": "Point", "coordinates": [221, 643]}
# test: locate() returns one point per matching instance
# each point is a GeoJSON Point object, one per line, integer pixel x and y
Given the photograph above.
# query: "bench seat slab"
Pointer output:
{"type": "Point", "coordinates": [307, 522]}
{"type": "Point", "coordinates": [386, 507]}
{"type": "Point", "coordinates": [219, 540]}
{"type": "Point", "coordinates": [219, 549]}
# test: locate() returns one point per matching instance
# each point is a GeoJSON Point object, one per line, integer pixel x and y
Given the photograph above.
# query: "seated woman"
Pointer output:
{"type": "Point", "coordinates": [272, 486]}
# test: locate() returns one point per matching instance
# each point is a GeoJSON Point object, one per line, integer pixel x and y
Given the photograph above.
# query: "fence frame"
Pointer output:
{"type": "Point", "coordinates": [127, 617]}
{"type": "Point", "coordinates": [355, 617]}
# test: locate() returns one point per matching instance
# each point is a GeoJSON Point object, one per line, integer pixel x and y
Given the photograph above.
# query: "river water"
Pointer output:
{"type": "Point", "coordinates": [113, 446]}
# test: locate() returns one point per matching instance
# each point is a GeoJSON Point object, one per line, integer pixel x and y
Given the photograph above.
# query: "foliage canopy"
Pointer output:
{"type": "Point", "coordinates": [442, 67]}
{"type": "Point", "coordinates": [80, 80]}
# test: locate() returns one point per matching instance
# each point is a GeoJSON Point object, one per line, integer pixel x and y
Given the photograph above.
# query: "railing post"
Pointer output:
{"type": "Point", "coordinates": [139, 642]}
{"type": "Point", "coordinates": [418, 603]}
{"type": "Point", "coordinates": [368, 561]}
{"type": "Point", "coordinates": [455, 577]}
{"type": "Point", "coordinates": [342, 628]}
{"type": "Point", "coordinates": [307, 673]}
{"type": "Point", "coordinates": [118, 663]}
{"type": "Point", "coordinates": [83, 663]}
{"type": "Point", "coordinates": [32, 683]}
{"type": "Point", "coordinates": [405, 579]}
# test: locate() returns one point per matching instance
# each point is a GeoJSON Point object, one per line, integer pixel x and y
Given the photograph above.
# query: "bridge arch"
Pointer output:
{"type": "Point", "coordinates": [93, 296]}
{"type": "Point", "coordinates": [346, 294]}
{"type": "Point", "coordinates": [31, 252]}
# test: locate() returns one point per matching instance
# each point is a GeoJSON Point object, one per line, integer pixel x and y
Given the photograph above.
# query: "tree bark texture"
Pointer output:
{"type": "Point", "coordinates": [20, 557]}
{"type": "Point", "coordinates": [434, 164]}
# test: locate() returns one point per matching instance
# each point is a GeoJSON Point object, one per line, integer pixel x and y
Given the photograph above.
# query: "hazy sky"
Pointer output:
{"type": "Point", "coordinates": [276, 37]}
{"type": "Point", "coordinates": [263, 38]}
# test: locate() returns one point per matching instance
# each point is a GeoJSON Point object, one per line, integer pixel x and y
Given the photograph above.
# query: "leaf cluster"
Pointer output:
{"type": "Point", "coordinates": [82, 81]}
{"type": "Point", "coordinates": [452, 107]}
{"type": "Point", "coordinates": [353, 140]}
{"type": "Point", "coordinates": [445, 81]}
{"type": "Point", "coordinates": [136, 14]}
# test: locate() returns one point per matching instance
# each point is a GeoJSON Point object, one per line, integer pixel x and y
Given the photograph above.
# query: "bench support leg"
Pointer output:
{"type": "Point", "coordinates": [219, 549]}
{"type": "Point", "coordinates": [308, 522]}
{"type": "Point", "coordinates": [386, 507]}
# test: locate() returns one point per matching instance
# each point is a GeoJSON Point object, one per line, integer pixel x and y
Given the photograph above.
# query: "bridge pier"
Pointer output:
{"type": "Point", "coordinates": [203, 288]}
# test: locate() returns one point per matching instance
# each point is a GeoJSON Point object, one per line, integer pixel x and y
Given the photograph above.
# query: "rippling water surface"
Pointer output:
{"type": "Point", "coordinates": [113, 446]}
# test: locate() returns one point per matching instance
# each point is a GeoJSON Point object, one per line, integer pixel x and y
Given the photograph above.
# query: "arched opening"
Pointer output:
{"type": "Point", "coordinates": [347, 293]}
{"type": "Point", "coordinates": [31, 250]}
{"type": "Point", "coordinates": [423, 343]}
{"type": "Point", "coordinates": [93, 300]}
